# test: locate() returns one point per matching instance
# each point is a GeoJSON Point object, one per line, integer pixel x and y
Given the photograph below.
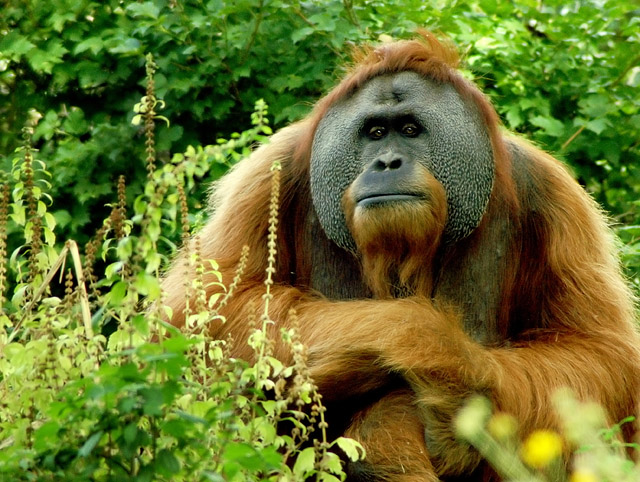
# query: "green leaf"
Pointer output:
{"type": "Point", "coordinates": [241, 454]}
{"type": "Point", "coordinates": [324, 21]}
{"type": "Point", "coordinates": [176, 428]}
{"type": "Point", "coordinates": [46, 436]}
{"type": "Point", "coordinates": [146, 9]}
{"type": "Point", "coordinates": [272, 457]}
{"type": "Point", "coordinates": [127, 405]}
{"type": "Point", "coordinates": [90, 74]}
{"type": "Point", "coordinates": [324, 477]}
{"type": "Point", "coordinates": [56, 50]}
{"type": "Point", "coordinates": [551, 126]}
{"type": "Point", "coordinates": [514, 117]}
{"type": "Point", "coordinates": [147, 284]}
{"type": "Point", "coordinates": [167, 463]}
{"type": "Point", "coordinates": [90, 444]}
{"type": "Point", "coordinates": [128, 45]}
{"type": "Point", "coordinates": [76, 123]}
{"type": "Point", "coordinates": [130, 433]}
{"type": "Point", "coordinates": [305, 463]}
{"type": "Point", "coordinates": [488, 6]}
{"type": "Point", "coordinates": [19, 214]}
{"type": "Point", "coordinates": [39, 60]}
{"type": "Point", "coordinates": [118, 292]}
{"type": "Point", "coordinates": [595, 105]}
{"type": "Point", "coordinates": [153, 401]}
{"type": "Point", "coordinates": [598, 125]}
{"type": "Point", "coordinates": [49, 236]}
{"type": "Point", "coordinates": [14, 45]}
{"type": "Point", "coordinates": [486, 43]}
{"type": "Point", "coordinates": [125, 248]}
{"type": "Point", "coordinates": [332, 463]}
{"type": "Point", "coordinates": [269, 406]}
{"type": "Point", "coordinates": [60, 18]}
{"type": "Point", "coordinates": [44, 60]}
{"type": "Point", "coordinates": [301, 34]}
{"type": "Point", "coordinates": [141, 324]}
{"type": "Point", "coordinates": [351, 448]}
{"type": "Point", "coordinates": [50, 220]}
{"type": "Point", "coordinates": [94, 44]}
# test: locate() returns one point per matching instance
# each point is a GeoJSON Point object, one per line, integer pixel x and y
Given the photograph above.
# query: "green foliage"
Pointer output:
{"type": "Point", "coordinates": [80, 401]}
{"type": "Point", "coordinates": [74, 69]}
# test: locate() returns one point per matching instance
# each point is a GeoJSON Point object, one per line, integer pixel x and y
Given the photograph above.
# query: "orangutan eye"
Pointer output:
{"type": "Point", "coordinates": [410, 130]}
{"type": "Point", "coordinates": [377, 132]}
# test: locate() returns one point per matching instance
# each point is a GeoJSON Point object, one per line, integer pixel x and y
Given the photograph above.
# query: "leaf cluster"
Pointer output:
{"type": "Point", "coordinates": [96, 385]}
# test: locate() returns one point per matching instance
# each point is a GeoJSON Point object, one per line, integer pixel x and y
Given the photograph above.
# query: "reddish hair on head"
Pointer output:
{"type": "Point", "coordinates": [433, 58]}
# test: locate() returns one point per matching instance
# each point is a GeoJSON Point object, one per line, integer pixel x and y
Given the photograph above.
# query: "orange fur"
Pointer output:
{"type": "Point", "coordinates": [398, 243]}
{"type": "Point", "coordinates": [532, 301]}
{"type": "Point", "coordinates": [391, 433]}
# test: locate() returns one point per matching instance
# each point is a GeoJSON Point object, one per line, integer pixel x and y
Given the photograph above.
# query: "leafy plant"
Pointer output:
{"type": "Point", "coordinates": [146, 401]}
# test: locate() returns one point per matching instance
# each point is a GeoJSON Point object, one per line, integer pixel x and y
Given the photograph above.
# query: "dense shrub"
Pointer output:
{"type": "Point", "coordinates": [93, 386]}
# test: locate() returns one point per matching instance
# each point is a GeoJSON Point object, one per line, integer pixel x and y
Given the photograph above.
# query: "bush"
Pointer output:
{"type": "Point", "coordinates": [148, 402]}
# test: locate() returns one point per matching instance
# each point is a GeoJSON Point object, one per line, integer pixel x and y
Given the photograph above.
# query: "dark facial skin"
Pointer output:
{"type": "Point", "coordinates": [393, 143]}
{"type": "Point", "coordinates": [376, 138]}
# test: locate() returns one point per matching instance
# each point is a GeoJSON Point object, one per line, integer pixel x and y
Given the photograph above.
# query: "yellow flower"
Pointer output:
{"type": "Point", "coordinates": [582, 475]}
{"type": "Point", "coordinates": [541, 448]}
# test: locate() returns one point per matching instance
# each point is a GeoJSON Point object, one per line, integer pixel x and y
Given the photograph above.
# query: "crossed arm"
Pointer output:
{"type": "Point", "coordinates": [359, 346]}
